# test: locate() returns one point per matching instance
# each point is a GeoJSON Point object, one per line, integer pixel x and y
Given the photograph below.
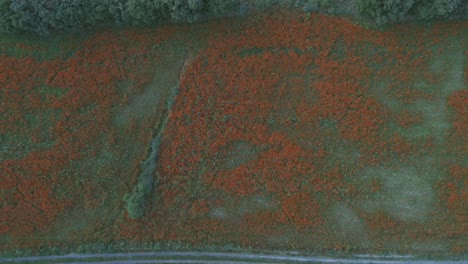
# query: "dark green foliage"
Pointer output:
{"type": "Point", "coordinates": [50, 16]}
{"type": "Point", "coordinates": [144, 11]}
{"type": "Point", "coordinates": [118, 12]}
{"type": "Point", "coordinates": [188, 10]}
{"type": "Point", "coordinates": [135, 201]}
{"type": "Point", "coordinates": [221, 7]}
{"type": "Point", "coordinates": [25, 17]}
{"type": "Point", "coordinates": [389, 11]}
{"type": "Point", "coordinates": [328, 6]}
{"type": "Point", "coordinates": [47, 16]}
{"type": "Point", "coordinates": [428, 9]}
{"type": "Point", "coordinates": [65, 15]}
{"type": "Point", "coordinates": [6, 15]}
{"type": "Point", "coordinates": [323, 3]}
{"type": "Point", "coordinates": [385, 11]}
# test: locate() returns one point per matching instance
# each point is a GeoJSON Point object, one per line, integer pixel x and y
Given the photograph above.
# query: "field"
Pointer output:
{"type": "Point", "coordinates": [273, 131]}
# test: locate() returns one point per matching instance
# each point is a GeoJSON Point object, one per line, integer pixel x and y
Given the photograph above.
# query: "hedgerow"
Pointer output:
{"type": "Point", "coordinates": [50, 16]}
{"type": "Point", "coordinates": [389, 11]}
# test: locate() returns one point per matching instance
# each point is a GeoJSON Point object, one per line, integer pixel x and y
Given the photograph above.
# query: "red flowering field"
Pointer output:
{"type": "Point", "coordinates": [289, 132]}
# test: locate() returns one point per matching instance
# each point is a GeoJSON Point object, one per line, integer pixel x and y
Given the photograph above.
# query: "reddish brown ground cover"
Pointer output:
{"type": "Point", "coordinates": [73, 121]}
{"type": "Point", "coordinates": [274, 126]}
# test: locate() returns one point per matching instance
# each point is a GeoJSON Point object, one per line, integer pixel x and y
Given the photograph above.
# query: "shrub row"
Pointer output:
{"type": "Point", "coordinates": [49, 16]}
{"type": "Point", "coordinates": [390, 11]}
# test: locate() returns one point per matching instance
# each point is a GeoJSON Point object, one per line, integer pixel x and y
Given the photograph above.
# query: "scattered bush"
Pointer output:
{"type": "Point", "coordinates": [135, 201]}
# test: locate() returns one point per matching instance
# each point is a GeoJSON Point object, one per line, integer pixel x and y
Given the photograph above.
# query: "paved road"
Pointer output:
{"type": "Point", "coordinates": [209, 257]}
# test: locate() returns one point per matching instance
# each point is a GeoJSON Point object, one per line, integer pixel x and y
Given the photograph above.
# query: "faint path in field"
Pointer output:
{"type": "Point", "coordinates": [153, 95]}
{"type": "Point", "coordinates": [408, 186]}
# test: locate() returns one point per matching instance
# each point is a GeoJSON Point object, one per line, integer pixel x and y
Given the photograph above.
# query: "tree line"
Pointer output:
{"type": "Point", "coordinates": [391, 11]}
{"type": "Point", "coordinates": [49, 16]}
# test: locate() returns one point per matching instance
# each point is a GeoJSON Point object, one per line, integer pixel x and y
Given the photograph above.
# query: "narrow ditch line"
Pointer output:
{"type": "Point", "coordinates": [26, 199]}
{"type": "Point", "coordinates": [136, 200]}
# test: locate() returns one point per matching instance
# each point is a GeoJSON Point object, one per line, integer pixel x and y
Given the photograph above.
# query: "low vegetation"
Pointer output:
{"type": "Point", "coordinates": [135, 201]}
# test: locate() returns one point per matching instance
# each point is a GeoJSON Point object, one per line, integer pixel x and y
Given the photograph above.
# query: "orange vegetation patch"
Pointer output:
{"type": "Point", "coordinates": [85, 86]}
{"type": "Point", "coordinates": [293, 87]}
